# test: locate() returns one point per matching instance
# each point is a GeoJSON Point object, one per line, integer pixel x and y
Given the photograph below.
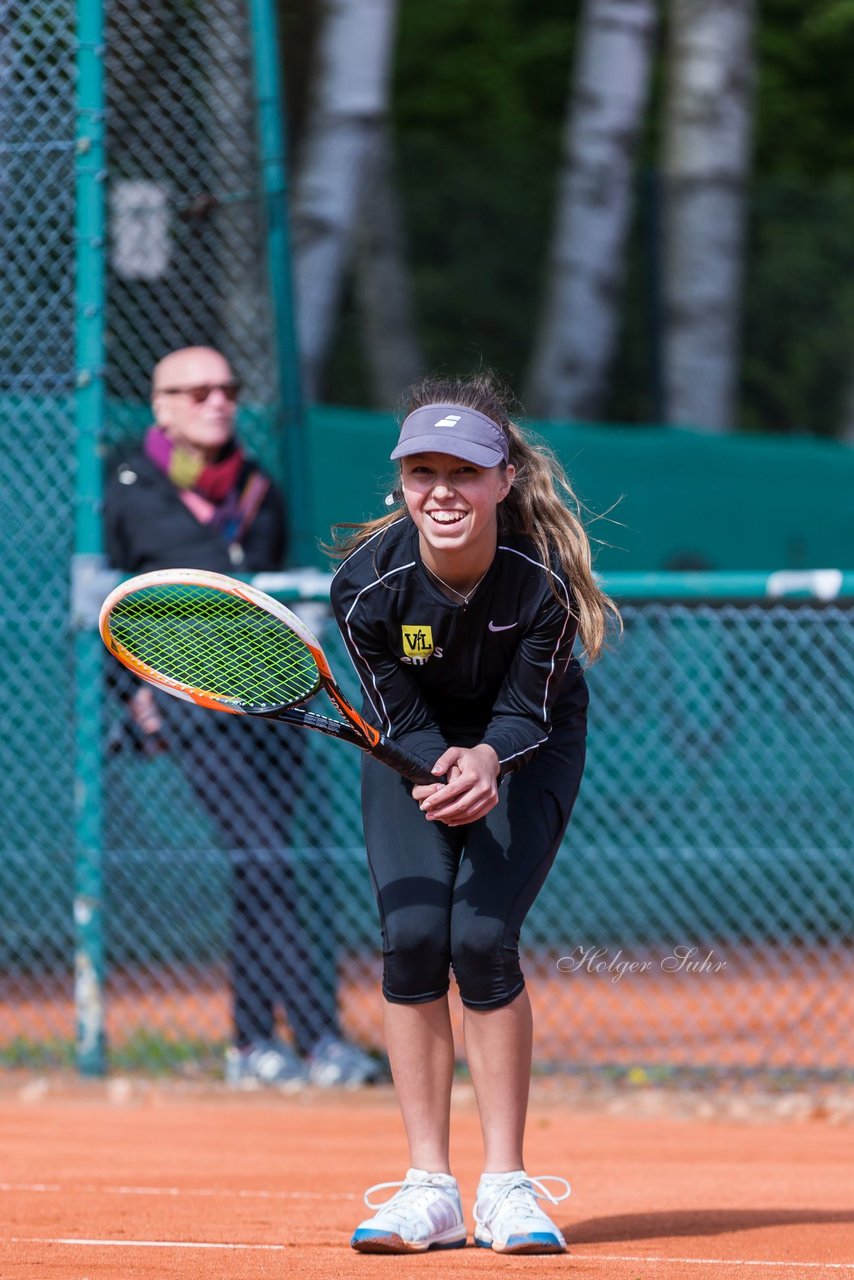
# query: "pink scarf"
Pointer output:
{"type": "Point", "coordinates": [209, 490]}
{"type": "Point", "coordinates": [213, 480]}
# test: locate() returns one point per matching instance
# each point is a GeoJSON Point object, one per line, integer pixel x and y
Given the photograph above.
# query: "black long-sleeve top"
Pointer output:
{"type": "Point", "coordinates": [498, 670]}
{"type": "Point", "coordinates": [147, 526]}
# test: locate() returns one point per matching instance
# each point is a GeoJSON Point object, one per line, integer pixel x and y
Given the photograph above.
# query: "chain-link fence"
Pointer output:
{"type": "Point", "coordinates": [140, 173]}
{"type": "Point", "coordinates": [37, 225]}
{"type": "Point", "coordinates": [698, 916]}
{"type": "Point", "coordinates": [716, 811]}
{"type": "Point", "coordinates": [188, 249]}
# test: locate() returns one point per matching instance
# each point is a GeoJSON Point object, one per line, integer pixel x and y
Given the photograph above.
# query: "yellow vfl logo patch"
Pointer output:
{"type": "Point", "coordinates": [417, 642]}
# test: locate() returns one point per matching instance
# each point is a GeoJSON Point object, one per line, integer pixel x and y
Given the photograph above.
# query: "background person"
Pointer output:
{"type": "Point", "coordinates": [460, 612]}
{"type": "Point", "coordinates": [189, 497]}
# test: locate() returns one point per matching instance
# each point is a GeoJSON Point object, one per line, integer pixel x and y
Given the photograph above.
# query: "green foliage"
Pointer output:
{"type": "Point", "coordinates": [22, 1052]}
{"type": "Point", "coordinates": [805, 99]}
{"type": "Point", "coordinates": [833, 18]}
{"type": "Point", "coordinates": [798, 330]}
{"type": "Point", "coordinates": [159, 1054]}
{"type": "Point", "coordinates": [798, 299]}
{"type": "Point", "coordinates": [474, 74]}
{"type": "Point", "coordinates": [480, 99]}
{"type": "Point", "coordinates": [150, 1051]}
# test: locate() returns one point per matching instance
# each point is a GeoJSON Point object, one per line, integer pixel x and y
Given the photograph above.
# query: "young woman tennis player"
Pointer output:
{"type": "Point", "coordinates": [460, 611]}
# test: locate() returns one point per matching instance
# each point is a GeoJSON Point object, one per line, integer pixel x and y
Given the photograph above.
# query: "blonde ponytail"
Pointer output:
{"type": "Point", "coordinates": [543, 506]}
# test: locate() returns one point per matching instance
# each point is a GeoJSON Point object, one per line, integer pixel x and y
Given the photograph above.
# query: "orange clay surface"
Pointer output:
{"type": "Point", "coordinates": [130, 1179]}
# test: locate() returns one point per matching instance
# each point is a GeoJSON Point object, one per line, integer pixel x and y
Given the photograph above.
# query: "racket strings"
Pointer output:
{"type": "Point", "coordinates": [219, 643]}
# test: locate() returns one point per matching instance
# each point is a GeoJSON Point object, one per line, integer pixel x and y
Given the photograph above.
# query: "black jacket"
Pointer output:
{"type": "Point", "coordinates": [147, 526]}
{"type": "Point", "coordinates": [498, 670]}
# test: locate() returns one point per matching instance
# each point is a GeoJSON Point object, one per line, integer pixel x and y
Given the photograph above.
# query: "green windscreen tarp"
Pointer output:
{"type": "Point", "coordinates": [667, 498]}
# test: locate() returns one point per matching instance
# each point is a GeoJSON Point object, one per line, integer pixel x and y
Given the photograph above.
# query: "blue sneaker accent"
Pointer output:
{"type": "Point", "coordinates": [533, 1242]}
{"type": "Point", "coordinates": [508, 1218]}
{"type": "Point", "coordinates": [533, 1239]}
{"type": "Point", "coordinates": [367, 1241]}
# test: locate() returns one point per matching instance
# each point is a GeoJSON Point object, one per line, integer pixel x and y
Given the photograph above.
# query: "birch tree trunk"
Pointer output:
{"type": "Point", "coordinates": [349, 106]}
{"type": "Point", "coordinates": [846, 429]}
{"type": "Point", "coordinates": [577, 334]}
{"type": "Point", "coordinates": [394, 355]}
{"type": "Point", "coordinates": [707, 137]}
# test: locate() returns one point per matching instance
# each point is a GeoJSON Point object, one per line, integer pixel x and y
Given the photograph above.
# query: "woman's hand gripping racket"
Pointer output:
{"type": "Point", "coordinates": [223, 644]}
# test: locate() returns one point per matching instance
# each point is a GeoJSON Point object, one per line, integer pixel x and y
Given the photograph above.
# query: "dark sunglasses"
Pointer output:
{"type": "Point", "coordinates": [199, 394]}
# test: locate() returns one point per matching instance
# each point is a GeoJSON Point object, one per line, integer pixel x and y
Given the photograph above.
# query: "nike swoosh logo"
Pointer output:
{"type": "Point", "coordinates": [508, 627]}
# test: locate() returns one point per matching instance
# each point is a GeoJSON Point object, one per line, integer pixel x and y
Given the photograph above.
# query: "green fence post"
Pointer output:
{"type": "Point", "coordinates": [272, 145]}
{"type": "Point", "coordinates": [89, 413]}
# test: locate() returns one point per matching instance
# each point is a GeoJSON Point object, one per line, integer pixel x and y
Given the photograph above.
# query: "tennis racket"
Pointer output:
{"type": "Point", "coordinates": [223, 644]}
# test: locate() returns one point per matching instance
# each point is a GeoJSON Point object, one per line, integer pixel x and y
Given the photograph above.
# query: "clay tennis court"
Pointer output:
{"type": "Point", "coordinates": [130, 1178]}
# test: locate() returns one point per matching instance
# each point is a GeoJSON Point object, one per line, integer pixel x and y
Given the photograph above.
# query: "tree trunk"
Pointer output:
{"type": "Point", "coordinates": [394, 355]}
{"type": "Point", "coordinates": [707, 135]}
{"type": "Point", "coordinates": [846, 430]}
{"type": "Point", "coordinates": [349, 107]}
{"type": "Point", "coordinates": [577, 335]}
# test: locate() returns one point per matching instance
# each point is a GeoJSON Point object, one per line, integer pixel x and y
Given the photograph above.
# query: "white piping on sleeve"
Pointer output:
{"type": "Point", "coordinates": [531, 747]}
{"type": "Point", "coordinates": [546, 569]}
{"type": "Point", "coordinates": [378, 582]}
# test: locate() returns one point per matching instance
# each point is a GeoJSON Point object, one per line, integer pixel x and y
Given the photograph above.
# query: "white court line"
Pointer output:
{"type": "Point", "coordinates": [142, 1244]}
{"type": "Point", "coordinates": [29, 1186]}
{"type": "Point", "coordinates": [49, 1187]}
{"type": "Point", "coordinates": [709, 1262]}
{"type": "Point", "coordinates": [578, 1257]}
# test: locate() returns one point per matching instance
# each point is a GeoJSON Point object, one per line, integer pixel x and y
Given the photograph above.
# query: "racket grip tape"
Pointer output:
{"type": "Point", "coordinates": [412, 767]}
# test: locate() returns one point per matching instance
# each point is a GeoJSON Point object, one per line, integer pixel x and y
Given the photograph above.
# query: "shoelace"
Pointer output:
{"type": "Point", "coordinates": [413, 1192]}
{"type": "Point", "coordinates": [516, 1192]}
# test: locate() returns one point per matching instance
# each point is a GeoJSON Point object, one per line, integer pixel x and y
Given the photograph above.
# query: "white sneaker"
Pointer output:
{"type": "Point", "coordinates": [425, 1213]}
{"type": "Point", "coordinates": [508, 1218]}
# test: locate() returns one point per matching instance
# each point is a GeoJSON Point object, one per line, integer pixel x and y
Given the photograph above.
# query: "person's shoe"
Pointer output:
{"type": "Point", "coordinates": [264, 1062]}
{"type": "Point", "coordinates": [338, 1062]}
{"type": "Point", "coordinates": [508, 1219]}
{"type": "Point", "coordinates": [425, 1213]}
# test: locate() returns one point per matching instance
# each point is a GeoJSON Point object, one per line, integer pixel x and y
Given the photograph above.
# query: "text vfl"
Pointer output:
{"type": "Point", "coordinates": [418, 645]}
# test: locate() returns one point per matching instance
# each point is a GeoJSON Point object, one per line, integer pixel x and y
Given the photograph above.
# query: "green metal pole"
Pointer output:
{"type": "Point", "coordinates": [89, 414]}
{"type": "Point", "coordinates": [272, 146]}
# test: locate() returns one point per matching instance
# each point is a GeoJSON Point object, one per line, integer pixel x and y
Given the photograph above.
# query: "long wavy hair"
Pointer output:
{"type": "Point", "coordinates": [541, 503]}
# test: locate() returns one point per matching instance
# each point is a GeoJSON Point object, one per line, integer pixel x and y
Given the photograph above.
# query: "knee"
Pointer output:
{"type": "Point", "coordinates": [486, 964]}
{"type": "Point", "coordinates": [416, 957]}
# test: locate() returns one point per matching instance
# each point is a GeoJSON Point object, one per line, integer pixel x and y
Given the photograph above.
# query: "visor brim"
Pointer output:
{"type": "Point", "coordinates": [455, 446]}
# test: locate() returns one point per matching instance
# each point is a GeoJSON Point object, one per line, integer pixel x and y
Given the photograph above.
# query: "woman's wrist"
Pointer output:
{"type": "Point", "coordinates": [491, 754]}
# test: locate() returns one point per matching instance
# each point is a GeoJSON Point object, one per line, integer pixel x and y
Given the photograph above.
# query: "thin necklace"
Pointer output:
{"type": "Point", "coordinates": [465, 598]}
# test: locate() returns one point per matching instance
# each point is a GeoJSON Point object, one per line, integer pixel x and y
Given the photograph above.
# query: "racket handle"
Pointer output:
{"type": "Point", "coordinates": [412, 767]}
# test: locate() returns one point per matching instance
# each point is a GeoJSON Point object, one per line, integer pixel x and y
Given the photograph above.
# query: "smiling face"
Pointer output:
{"type": "Point", "coordinates": [454, 506]}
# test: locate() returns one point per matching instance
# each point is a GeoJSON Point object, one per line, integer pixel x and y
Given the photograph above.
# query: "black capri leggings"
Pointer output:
{"type": "Point", "coordinates": [457, 896]}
